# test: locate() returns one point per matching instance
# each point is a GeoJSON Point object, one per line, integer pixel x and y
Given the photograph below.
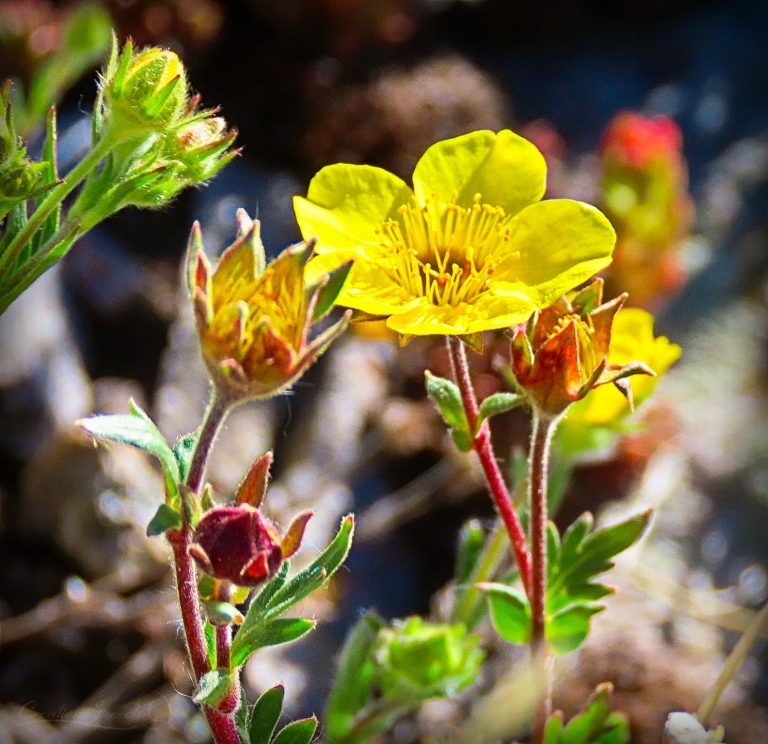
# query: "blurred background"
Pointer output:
{"type": "Point", "coordinates": [655, 110]}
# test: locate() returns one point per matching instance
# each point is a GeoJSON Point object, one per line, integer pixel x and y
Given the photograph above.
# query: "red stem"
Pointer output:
{"type": "Point", "coordinates": [231, 700]}
{"type": "Point", "coordinates": [541, 436]}
{"type": "Point", "coordinates": [221, 722]}
{"type": "Point", "coordinates": [484, 447]}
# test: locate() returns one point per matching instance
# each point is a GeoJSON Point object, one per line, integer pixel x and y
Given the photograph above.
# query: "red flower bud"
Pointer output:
{"type": "Point", "coordinates": [239, 544]}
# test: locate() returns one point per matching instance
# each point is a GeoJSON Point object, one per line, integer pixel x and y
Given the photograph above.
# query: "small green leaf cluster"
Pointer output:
{"type": "Point", "coordinates": [597, 724]}
{"type": "Point", "coordinates": [447, 397]}
{"type": "Point", "coordinates": [386, 670]}
{"type": "Point", "coordinates": [573, 594]}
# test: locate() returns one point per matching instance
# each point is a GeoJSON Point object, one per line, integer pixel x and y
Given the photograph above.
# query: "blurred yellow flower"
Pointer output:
{"type": "Point", "coordinates": [469, 249]}
{"type": "Point", "coordinates": [632, 340]}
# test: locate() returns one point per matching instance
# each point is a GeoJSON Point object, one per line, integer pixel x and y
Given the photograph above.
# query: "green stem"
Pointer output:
{"type": "Point", "coordinates": [541, 437]}
{"type": "Point", "coordinates": [732, 663]}
{"type": "Point", "coordinates": [53, 199]}
{"type": "Point", "coordinates": [487, 564]}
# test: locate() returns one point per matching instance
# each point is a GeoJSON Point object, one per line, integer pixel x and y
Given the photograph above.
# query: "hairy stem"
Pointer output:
{"type": "Point", "coordinates": [220, 721]}
{"type": "Point", "coordinates": [541, 437]}
{"type": "Point", "coordinates": [53, 199]}
{"type": "Point", "coordinates": [484, 448]}
{"type": "Point", "coordinates": [732, 663]}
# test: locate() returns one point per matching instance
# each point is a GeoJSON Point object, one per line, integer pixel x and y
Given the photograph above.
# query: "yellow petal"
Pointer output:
{"type": "Point", "coordinates": [554, 246]}
{"type": "Point", "coordinates": [347, 203]}
{"type": "Point", "coordinates": [505, 169]}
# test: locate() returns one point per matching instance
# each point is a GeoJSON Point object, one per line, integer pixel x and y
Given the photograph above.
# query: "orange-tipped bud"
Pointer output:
{"type": "Point", "coordinates": [563, 353]}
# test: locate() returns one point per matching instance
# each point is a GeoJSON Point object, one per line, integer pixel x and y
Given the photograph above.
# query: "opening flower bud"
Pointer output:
{"type": "Point", "coordinates": [239, 544]}
{"type": "Point", "coordinates": [255, 319]}
{"type": "Point", "coordinates": [563, 352]}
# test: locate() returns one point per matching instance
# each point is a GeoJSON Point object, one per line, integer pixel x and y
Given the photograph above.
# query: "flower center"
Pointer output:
{"type": "Point", "coordinates": [444, 252]}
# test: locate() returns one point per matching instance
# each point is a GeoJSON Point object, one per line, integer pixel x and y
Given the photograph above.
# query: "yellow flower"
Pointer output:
{"type": "Point", "coordinates": [469, 249]}
{"type": "Point", "coordinates": [632, 340]}
{"type": "Point", "coordinates": [254, 318]}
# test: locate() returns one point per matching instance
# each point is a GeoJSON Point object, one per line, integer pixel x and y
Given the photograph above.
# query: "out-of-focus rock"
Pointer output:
{"type": "Point", "coordinates": [93, 502]}
{"type": "Point", "coordinates": [392, 121]}
{"type": "Point", "coordinates": [42, 382]}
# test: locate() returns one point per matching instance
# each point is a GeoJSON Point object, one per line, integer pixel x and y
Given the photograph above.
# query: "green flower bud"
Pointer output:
{"type": "Point", "coordinates": [143, 91]}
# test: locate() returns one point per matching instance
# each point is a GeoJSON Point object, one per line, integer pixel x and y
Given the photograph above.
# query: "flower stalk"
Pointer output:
{"type": "Point", "coordinates": [541, 438]}
{"type": "Point", "coordinates": [484, 448]}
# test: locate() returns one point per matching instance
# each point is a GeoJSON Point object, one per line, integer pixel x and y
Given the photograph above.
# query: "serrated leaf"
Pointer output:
{"type": "Point", "coordinates": [265, 715]}
{"type": "Point", "coordinates": [327, 293]}
{"type": "Point", "coordinates": [510, 612]}
{"type": "Point", "coordinates": [567, 629]}
{"type": "Point", "coordinates": [594, 553]}
{"type": "Point", "coordinates": [135, 429]}
{"type": "Point", "coordinates": [165, 519]}
{"type": "Point", "coordinates": [212, 687]}
{"type": "Point", "coordinates": [317, 573]}
{"type": "Point", "coordinates": [353, 683]}
{"type": "Point", "coordinates": [297, 732]}
{"type": "Point", "coordinates": [498, 403]}
{"type": "Point", "coordinates": [268, 633]}
{"type": "Point", "coordinates": [183, 450]}
{"type": "Point", "coordinates": [447, 397]}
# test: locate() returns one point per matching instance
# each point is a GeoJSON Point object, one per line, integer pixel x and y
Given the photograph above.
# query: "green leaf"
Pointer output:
{"type": "Point", "coordinates": [447, 397]}
{"type": "Point", "coordinates": [265, 715]}
{"type": "Point", "coordinates": [498, 403]}
{"type": "Point", "coordinates": [510, 612]}
{"type": "Point", "coordinates": [353, 683]}
{"type": "Point", "coordinates": [165, 519]}
{"type": "Point", "coordinates": [297, 732]}
{"type": "Point", "coordinates": [137, 430]}
{"type": "Point", "coordinates": [574, 566]}
{"type": "Point", "coordinates": [596, 724]}
{"type": "Point", "coordinates": [328, 292]}
{"type": "Point", "coordinates": [592, 555]}
{"type": "Point", "coordinates": [567, 629]}
{"type": "Point", "coordinates": [213, 687]}
{"type": "Point", "coordinates": [268, 633]}
{"type": "Point", "coordinates": [261, 601]}
{"type": "Point", "coordinates": [583, 728]}
{"type": "Point", "coordinates": [471, 541]}
{"type": "Point", "coordinates": [241, 718]}
{"type": "Point", "coordinates": [317, 573]}
{"type": "Point", "coordinates": [553, 729]}
{"type": "Point", "coordinates": [461, 439]}
{"type": "Point", "coordinates": [183, 450]}
{"type": "Point", "coordinates": [210, 642]}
